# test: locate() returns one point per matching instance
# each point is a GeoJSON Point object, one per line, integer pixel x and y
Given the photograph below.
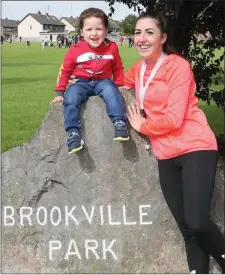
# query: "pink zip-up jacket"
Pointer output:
{"type": "Point", "coordinates": [175, 124]}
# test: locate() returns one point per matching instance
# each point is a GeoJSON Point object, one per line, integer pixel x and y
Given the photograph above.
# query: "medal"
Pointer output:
{"type": "Point", "coordinates": [143, 114]}
{"type": "Point", "coordinates": [143, 88]}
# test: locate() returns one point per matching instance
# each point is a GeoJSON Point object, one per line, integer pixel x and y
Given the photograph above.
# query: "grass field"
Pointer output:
{"type": "Point", "coordinates": [28, 80]}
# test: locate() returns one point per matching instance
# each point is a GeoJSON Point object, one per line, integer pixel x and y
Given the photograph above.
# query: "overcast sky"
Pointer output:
{"type": "Point", "coordinates": [18, 9]}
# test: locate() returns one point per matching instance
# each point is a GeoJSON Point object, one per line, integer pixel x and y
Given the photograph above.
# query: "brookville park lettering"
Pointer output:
{"type": "Point", "coordinates": [67, 215]}
{"type": "Point", "coordinates": [92, 248]}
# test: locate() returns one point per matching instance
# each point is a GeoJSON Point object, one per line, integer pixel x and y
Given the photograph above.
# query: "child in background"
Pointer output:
{"type": "Point", "coordinates": [92, 62]}
{"type": "Point", "coordinates": [121, 40]}
{"type": "Point", "coordinates": [42, 44]}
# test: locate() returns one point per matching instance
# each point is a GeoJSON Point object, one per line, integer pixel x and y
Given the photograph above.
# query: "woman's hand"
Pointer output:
{"type": "Point", "coordinates": [57, 99]}
{"type": "Point", "coordinates": [134, 117]}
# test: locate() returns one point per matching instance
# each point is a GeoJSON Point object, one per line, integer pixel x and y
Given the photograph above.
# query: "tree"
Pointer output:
{"type": "Point", "coordinates": [128, 24]}
{"type": "Point", "coordinates": [188, 21]}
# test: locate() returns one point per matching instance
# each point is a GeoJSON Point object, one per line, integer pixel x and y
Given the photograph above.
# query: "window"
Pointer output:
{"type": "Point", "coordinates": [30, 27]}
{"type": "Point", "coordinates": [8, 29]}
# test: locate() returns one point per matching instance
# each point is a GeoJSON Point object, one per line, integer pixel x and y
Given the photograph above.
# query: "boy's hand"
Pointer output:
{"type": "Point", "coordinates": [122, 88]}
{"type": "Point", "coordinates": [72, 80]}
{"type": "Point", "coordinates": [57, 99]}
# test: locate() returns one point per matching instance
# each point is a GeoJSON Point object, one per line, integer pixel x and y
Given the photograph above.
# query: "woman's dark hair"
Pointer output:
{"type": "Point", "coordinates": [162, 25]}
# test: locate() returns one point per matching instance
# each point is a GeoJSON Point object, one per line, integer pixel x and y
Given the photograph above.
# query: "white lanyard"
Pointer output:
{"type": "Point", "coordinates": [143, 88]}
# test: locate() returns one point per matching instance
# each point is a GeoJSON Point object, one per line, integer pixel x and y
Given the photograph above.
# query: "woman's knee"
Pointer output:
{"type": "Point", "coordinates": [198, 225]}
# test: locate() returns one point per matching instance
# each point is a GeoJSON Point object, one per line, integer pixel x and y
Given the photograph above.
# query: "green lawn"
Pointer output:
{"type": "Point", "coordinates": [28, 80]}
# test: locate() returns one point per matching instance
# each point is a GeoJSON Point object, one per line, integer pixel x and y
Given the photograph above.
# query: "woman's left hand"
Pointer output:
{"type": "Point", "coordinates": [134, 117]}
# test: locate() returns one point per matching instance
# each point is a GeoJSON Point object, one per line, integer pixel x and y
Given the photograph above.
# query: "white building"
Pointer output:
{"type": "Point", "coordinates": [71, 24]}
{"type": "Point", "coordinates": [37, 26]}
{"type": "Point", "coordinates": [114, 30]}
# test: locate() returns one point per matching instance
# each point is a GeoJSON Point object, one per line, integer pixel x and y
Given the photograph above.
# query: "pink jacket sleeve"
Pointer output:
{"type": "Point", "coordinates": [129, 76]}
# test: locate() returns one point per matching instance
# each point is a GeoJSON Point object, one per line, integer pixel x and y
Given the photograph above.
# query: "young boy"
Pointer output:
{"type": "Point", "coordinates": [93, 62]}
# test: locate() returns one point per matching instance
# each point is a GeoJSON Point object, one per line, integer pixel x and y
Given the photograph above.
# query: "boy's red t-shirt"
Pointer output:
{"type": "Point", "coordinates": [85, 62]}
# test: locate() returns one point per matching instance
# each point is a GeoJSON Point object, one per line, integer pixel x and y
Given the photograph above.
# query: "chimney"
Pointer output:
{"type": "Point", "coordinates": [39, 13]}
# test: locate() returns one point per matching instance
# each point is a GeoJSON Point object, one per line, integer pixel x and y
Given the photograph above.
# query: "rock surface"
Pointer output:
{"type": "Point", "coordinates": [42, 174]}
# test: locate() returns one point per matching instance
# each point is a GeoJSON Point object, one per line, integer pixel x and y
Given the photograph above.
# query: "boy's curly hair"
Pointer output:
{"type": "Point", "coordinates": [93, 12]}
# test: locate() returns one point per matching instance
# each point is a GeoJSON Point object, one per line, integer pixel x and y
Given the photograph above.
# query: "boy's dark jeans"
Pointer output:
{"type": "Point", "coordinates": [78, 93]}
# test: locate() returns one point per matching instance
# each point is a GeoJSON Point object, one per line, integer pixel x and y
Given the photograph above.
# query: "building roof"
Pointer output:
{"type": "Point", "coordinates": [75, 22]}
{"type": "Point", "coordinates": [113, 24]}
{"type": "Point", "coordinates": [52, 32]}
{"type": "Point", "coordinates": [71, 20]}
{"type": "Point", "coordinates": [45, 19]}
{"type": "Point", "coordinates": [9, 23]}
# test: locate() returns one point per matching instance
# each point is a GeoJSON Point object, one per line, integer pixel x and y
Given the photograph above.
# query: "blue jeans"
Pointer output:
{"type": "Point", "coordinates": [78, 93]}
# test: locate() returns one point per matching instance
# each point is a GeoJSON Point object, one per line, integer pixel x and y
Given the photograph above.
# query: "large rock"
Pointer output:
{"type": "Point", "coordinates": [104, 174]}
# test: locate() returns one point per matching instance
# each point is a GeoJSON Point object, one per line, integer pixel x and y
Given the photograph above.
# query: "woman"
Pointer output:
{"type": "Point", "coordinates": [167, 111]}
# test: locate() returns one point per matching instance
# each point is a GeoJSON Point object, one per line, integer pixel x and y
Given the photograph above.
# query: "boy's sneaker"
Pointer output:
{"type": "Point", "coordinates": [74, 142]}
{"type": "Point", "coordinates": [121, 132]}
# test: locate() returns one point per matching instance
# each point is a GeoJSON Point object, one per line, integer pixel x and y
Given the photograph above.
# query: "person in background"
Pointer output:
{"type": "Point", "coordinates": [73, 40]}
{"type": "Point", "coordinates": [46, 41]}
{"type": "Point", "coordinates": [92, 62]}
{"type": "Point", "coordinates": [130, 41]}
{"type": "Point", "coordinates": [59, 42]}
{"type": "Point", "coordinates": [121, 40]}
{"type": "Point", "coordinates": [167, 111]}
{"type": "Point", "coordinates": [42, 45]}
{"type": "Point", "coordinates": [62, 40]}
{"type": "Point", "coordinates": [67, 43]}
{"type": "Point", "coordinates": [76, 39]}
{"type": "Point", "coordinates": [70, 41]}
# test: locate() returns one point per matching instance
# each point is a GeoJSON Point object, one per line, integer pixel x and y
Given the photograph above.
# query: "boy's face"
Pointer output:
{"type": "Point", "coordinates": [94, 31]}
